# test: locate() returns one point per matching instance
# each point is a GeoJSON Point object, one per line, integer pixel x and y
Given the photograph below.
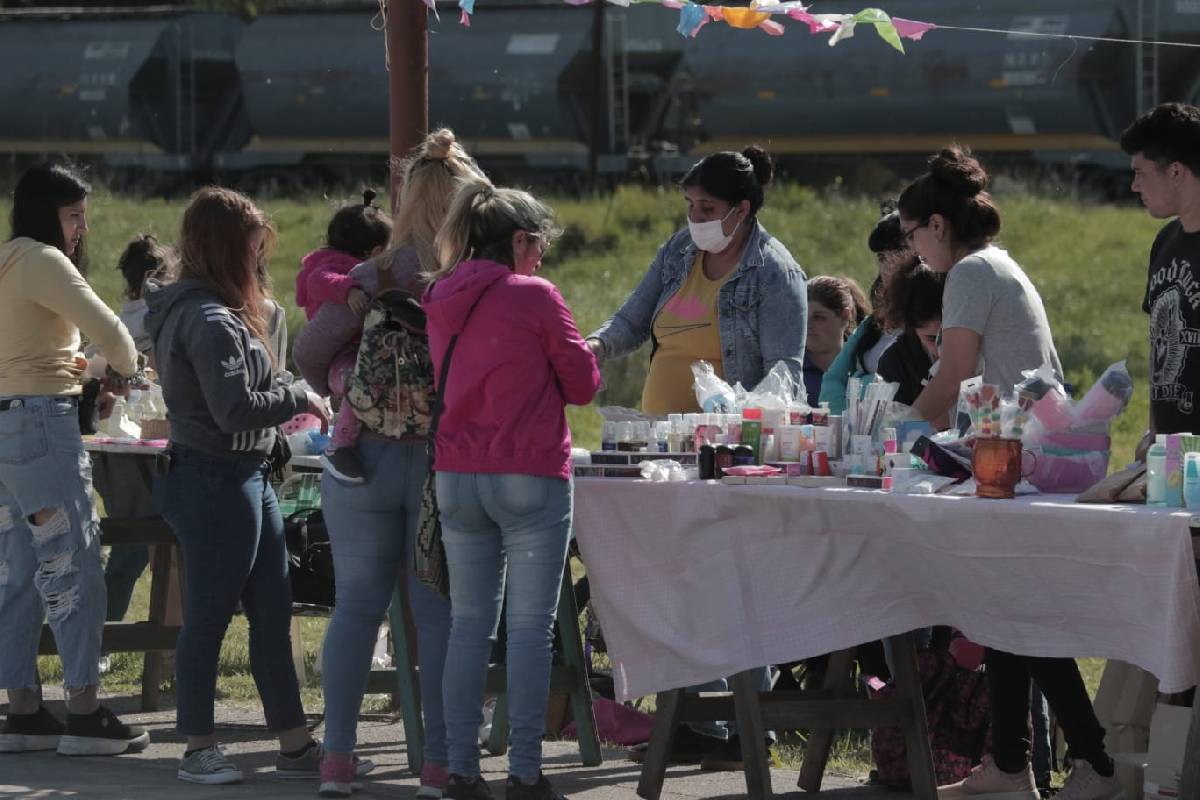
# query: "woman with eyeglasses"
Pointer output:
{"type": "Point", "coordinates": [722, 290]}
{"type": "Point", "coordinates": [507, 358]}
{"type": "Point", "coordinates": [991, 311]}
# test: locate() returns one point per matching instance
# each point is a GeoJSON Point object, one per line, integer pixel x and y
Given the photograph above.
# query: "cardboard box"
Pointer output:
{"type": "Point", "coordinates": [1168, 739]}
{"type": "Point", "coordinates": [1131, 768]}
{"type": "Point", "coordinates": [1125, 696]}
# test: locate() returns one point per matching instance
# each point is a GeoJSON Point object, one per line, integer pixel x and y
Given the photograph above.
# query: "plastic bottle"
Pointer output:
{"type": "Point", "coordinates": [1156, 472]}
{"type": "Point", "coordinates": [662, 431]}
{"type": "Point", "coordinates": [752, 431]}
{"type": "Point", "coordinates": [1191, 480]}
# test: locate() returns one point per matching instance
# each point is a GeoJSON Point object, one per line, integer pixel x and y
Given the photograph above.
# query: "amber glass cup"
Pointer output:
{"type": "Point", "coordinates": [997, 467]}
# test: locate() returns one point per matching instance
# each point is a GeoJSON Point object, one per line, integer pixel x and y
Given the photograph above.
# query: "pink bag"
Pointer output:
{"type": "Point", "coordinates": [616, 723]}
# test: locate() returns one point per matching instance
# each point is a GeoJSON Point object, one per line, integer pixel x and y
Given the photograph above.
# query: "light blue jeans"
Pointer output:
{"type": "Point", "coordinates": [52, 570]}
{"type": "Point", "coordinates": [502, 532]}
{"type": "Point", "coordinates": [371, 527]}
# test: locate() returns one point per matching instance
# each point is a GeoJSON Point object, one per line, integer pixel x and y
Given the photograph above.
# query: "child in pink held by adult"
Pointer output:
{"type": "Point", "coordinates": [356, 233]}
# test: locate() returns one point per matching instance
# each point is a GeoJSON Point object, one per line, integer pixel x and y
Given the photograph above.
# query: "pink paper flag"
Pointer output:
{"type": "Point", "coordinates": [464, 19]}
{"type": "Point", "coordinates": [817, 23]}
{"type": "Point", "coordinates": [910, 29]}
{"type": "Point", "coordinates": [772, 27]}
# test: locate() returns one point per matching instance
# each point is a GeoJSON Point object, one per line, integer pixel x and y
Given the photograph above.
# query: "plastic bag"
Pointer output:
{"type": "Point", "coordinates": [1107, 398]}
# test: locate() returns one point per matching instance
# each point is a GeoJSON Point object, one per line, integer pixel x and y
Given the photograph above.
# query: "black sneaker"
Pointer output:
{"type": "Point", "coordinates": [687, 747]}
{"type": "Point", "coordinates": [25, 733]}
{"type": "Point", "coordinates": [101, 733]}
{"type": "Point", "coordinates": [514, 789]}
{"type": "Point", "coordinates": [343, 465]}
{"type": "Point", "coordinates": [460, 787]}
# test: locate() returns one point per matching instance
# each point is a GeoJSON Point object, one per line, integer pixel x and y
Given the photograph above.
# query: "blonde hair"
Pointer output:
{"type": "Point", "coordinates": [214, 248]}
{"type": "Point", "coordinates": [430, 176]}
{"type": "Point", "coordinates": [482, 221]}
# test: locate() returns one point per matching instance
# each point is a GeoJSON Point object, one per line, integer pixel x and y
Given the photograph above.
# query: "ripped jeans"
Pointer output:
{"type": "Point", "coordinates": [52, 570]}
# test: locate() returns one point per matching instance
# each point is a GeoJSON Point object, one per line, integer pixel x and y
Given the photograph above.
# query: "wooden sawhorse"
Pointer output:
{"type": "Point", "coordinates": [823, 711]}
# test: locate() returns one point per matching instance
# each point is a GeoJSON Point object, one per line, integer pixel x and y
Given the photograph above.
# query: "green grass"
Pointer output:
{"type": "Point", "coordinates": [1088, 260]}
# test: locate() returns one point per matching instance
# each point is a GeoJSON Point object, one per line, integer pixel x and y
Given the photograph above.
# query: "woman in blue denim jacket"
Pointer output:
{"type": "Point", "coordinates": [724, 290]}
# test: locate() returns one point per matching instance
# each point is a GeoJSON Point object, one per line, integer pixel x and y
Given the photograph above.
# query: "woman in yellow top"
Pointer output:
{"type": "Point", "coordinates": [49, 538]}
{"type": "Point", "coordinates": [722, 290]}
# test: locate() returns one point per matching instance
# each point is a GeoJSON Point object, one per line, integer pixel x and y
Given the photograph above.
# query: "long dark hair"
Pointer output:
{"type": "Point", "coordinates": [41, 191]}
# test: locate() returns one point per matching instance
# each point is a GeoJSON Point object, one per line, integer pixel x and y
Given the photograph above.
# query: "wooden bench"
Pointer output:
{"type": "Point", "coordinates": [157, 634]}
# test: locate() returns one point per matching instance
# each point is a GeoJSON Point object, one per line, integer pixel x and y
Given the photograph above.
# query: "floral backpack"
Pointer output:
{"type": "Point", "coordinates": [391, 388]}
{"type": "Point", "coordinates": [957, 710]}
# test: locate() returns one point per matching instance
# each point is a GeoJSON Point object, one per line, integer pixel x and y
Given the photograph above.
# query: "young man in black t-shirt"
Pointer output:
{"type": "Point", "coordinates": [1164, 145]}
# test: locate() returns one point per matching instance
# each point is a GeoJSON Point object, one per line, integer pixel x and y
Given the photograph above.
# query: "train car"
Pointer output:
{"type": "Point", "coordinates": [306, 89]}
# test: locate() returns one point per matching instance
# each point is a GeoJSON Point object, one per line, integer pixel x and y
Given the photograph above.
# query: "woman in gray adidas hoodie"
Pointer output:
{"type": "Point", "coordinates": [211, 333]}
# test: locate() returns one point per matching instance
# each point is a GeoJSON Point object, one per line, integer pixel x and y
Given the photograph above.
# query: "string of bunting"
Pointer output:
{"type": "Point", "coordinates": [759, 15]}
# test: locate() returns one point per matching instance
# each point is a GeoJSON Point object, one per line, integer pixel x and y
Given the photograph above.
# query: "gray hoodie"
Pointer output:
{"type": "Point", "coordinates": [216, 375]}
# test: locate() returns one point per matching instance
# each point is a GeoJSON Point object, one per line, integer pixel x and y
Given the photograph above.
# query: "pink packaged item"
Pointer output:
{"type": "Point", "coordinates": [616, 723]}
{"type": "Point", "coordinates": [1072, 473]}
{"type": "Point", "coordinates": [1053, 411]}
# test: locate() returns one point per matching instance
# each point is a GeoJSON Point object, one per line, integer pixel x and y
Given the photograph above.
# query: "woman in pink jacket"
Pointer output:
{"type": "Point", "coordinates": [503, 458]}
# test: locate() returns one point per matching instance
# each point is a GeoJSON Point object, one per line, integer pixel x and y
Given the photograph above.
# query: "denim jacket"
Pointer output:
{"type": "Point", "coordinates": [762, 310]}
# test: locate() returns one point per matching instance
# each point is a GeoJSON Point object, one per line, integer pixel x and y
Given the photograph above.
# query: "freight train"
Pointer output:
{"type": "Point", "coordinates": [175, 90]}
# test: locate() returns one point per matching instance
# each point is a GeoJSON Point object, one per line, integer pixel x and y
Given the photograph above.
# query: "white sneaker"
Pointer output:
{"type": "Point", "coordinates": [208, 766]}
{"type": "Point", "coordinates": [1084, 783]}
{"type": "Point", "coordinates": [989, 782]}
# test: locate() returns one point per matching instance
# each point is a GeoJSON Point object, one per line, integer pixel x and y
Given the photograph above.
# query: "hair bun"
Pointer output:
{"type": "Point", "coordinates": [438, 144]}
{"type": "Point", "coordinates": [760, 160]}
{"type": "Point", "coordinates": [957, 169]}
{"type": "Point", "coordinates": [368, 196]}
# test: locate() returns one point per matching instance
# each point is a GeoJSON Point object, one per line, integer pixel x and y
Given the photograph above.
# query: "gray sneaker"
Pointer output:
{"type": "Point", "coordinates": [307, 765]}
{"type": "Point", "coordinates": [208, 766]}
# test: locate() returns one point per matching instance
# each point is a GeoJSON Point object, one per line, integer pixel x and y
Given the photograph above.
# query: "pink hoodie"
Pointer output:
{"type": "Point", "coordinates": [519, 361]}
{"type": "Point", "coordinates": [323, 279]}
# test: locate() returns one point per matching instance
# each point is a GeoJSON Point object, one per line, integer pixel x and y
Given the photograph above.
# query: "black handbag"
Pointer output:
{"type": "Point", "coordinates": [89, 407]}
{"type": "Point", "coordinates": [310, 558]}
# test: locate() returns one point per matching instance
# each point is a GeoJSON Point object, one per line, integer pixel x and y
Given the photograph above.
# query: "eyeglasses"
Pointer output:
{"type": "Point", "coordinates": [907, 235]}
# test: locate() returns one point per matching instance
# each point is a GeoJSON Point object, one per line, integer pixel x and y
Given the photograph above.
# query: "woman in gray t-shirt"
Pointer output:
{"type": "Point", "coordinates": [991, 310]}
{"type": "Point", "coordinates": [993, 320]}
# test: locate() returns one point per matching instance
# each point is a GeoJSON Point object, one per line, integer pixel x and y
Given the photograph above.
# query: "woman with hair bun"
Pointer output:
{"type": "Point", "coordinates": [723, 290]}
{"type": "Point", "coordinates": [992, 310]}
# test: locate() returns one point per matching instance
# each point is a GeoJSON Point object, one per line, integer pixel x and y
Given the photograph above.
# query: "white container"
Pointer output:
{"type": "Point", "coordinates": [789, 443]}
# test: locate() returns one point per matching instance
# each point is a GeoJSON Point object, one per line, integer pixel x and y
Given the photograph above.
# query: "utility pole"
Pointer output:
{"type": "Point", "coordinates": [408, 83]}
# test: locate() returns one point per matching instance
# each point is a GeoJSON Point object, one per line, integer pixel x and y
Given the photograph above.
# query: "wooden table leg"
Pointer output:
{"type": "Point", "coordinates": [820, 740]}
{"type": "Point", "coordinates": [753, 734]}
{"type": "Point", "coordinates": [162, 581]}
{"type": "Point", "coordinates": [658, 751]}
{"type": "Point", "coordinates": [408, 686]}
{"type": "Point", "coordinates": [916, 734]}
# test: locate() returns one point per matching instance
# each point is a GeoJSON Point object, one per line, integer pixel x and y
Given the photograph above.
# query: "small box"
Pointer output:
{"type": "Point", "coordinates": [868, 482]}
{"type": "Point", "coordinates": [776, 480]}
{"type": "Point", "coordinates": [733, 480]}
{"type": "Point", "coordinates": [815, 481]}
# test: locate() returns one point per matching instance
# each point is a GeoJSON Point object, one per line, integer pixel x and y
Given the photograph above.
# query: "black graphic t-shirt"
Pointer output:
{"type": "Point", "coordinates": [1173, 303]}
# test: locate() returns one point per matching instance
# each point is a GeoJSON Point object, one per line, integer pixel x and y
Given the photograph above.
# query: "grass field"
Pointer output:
{"type": "Point", "coordinates": [1087, 259]}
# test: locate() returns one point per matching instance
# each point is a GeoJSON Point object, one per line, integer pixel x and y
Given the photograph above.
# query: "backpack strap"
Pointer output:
{"type": "Point", "coordinates": [383, 268]}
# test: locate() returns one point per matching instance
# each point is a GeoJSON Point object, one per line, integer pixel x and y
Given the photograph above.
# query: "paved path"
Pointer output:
{"type": "Point", "coordinates": [151, 774]}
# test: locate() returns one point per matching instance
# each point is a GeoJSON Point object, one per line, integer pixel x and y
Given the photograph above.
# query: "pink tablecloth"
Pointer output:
{"type": "Point", "coordinates": [696, 581]}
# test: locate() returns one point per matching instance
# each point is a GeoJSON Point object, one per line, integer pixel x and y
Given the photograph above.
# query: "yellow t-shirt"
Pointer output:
{"type": "Point", "coordinates": [686, 331]}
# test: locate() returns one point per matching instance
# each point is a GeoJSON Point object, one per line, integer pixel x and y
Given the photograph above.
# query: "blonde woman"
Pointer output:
{"type": "Point", "coordinates": [372, 524]}
{"type": "Point", "coordinates": [503, 462]}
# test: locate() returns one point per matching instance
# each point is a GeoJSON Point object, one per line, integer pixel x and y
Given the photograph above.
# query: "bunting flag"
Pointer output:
{"type": "Point", "coordinates": [758, 15]}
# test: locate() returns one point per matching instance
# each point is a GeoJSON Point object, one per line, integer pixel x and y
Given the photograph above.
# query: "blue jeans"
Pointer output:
{"type": "Point", "coordinates": [372, 527]}
{"type": "Point", "coordinates": [224, 513]}
{"type": "Point", "coordinates": [502, 532]}
{"type": "Point", "coordinates": [54, 569]}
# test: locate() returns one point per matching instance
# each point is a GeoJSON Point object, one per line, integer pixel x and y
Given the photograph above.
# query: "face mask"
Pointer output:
{"type": "Point", "coordinates": [709, 236]}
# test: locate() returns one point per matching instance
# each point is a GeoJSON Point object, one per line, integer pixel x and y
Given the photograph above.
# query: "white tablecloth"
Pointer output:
{"type": "Point", "coordinates": [696, 581]}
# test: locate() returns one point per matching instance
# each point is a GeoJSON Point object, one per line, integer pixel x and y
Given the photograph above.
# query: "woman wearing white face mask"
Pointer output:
{"type": "Point", "coordinates": [722, 290]}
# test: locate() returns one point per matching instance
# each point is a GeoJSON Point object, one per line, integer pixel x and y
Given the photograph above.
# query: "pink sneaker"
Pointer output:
{"type": "Point", "coordinates": [434, 778]}
{"type": "Point", "coordinates": [337, 775]}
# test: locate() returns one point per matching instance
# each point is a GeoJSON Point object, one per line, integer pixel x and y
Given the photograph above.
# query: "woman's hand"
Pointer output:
{"type": "Point", "coordinates": [319, 409]}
